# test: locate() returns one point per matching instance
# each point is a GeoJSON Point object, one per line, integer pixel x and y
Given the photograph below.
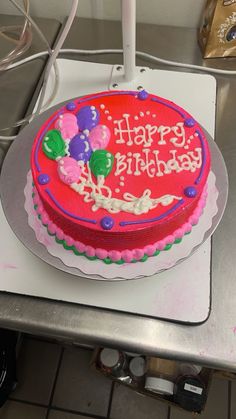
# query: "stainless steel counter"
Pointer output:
{"type": "Point", "coordinates": [212, 343]}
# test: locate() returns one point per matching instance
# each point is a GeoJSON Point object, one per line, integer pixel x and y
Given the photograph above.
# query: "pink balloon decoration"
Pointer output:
{"type": "Point", "coordinates": [68, 169]}
{"type": "Point", "coordinates": [67, 125]}
{"type": "Point", "coordinates": [99, 137]}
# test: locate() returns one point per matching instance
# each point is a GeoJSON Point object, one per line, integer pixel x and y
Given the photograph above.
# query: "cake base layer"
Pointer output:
{"type": "Point", "coordinates": [114, 256]}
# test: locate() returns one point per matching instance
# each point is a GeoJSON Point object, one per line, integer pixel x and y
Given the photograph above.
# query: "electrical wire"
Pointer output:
{"type": "Point", "coordinates": [49, 52]}
{"type": "Point", "coordinates": [51, 62]}
{"type": "Point", "coordinates": [29, 19]}
{"type": "Point", "coordinates": [55, 66]}
{"type": "Point", "coordinates": [140, 54]}
{"type": "Point", "coordinates": [118, 51]}
{"type": "Point", "coordinates": [56, 51]}
{"type": "Point", "coordinates": [22, 43]}
{"type": "Point", "coordinates": [11, 29]}
{"type": "Point", "coordinates": [53, 55]}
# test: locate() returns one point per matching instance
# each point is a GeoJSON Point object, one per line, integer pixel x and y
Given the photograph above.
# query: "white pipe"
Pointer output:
{"type": "Point", "coordinates": [128, 8]}
{"type": "Point", "coordinates": [97, 9]}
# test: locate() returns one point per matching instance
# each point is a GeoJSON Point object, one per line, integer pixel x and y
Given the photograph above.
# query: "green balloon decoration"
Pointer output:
{"type": "Point", "coordinates": [53, 145]}
{"type": "Point", "coordinates": [101, 163]}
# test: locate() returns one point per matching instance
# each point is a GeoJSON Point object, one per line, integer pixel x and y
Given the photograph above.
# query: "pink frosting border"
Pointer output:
{"type": "Point", "coordinates": [115, 255]}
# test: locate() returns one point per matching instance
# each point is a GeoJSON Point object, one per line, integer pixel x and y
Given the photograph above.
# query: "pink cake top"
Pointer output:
{"type": "Point", "coordinates": [120, 160]}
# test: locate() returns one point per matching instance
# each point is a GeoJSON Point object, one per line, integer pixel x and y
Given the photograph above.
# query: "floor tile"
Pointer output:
{"type": "Point", "coordinates": [36, 368]}
{"type": "Point", "coordinates": [217, 403]}
{"type": "Point", "coordinates": [57, 414]}
{"type": "Point", "coordinates": [80, 388]}
{"type": "Point", "coordinates": [17, 410]}
{"type": "Point", "coordinates": [127, 404]}
{"type": "Point", "coordinates": [233, 400]}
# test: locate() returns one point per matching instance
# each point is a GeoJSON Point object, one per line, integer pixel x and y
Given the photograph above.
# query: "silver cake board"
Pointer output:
{"type": "Point", "coordinates": [180, 294]}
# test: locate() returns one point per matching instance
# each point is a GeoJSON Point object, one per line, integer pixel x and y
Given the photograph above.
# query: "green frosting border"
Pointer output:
{"type": "Point", "coordinates": [107, 261]}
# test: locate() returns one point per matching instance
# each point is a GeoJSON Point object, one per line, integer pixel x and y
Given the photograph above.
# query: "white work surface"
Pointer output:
{"type": "Point", "coordinates": [181, 293]}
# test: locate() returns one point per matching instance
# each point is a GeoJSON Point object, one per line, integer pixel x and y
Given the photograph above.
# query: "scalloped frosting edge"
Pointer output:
{"type": "Point", "coordinates": [116, 256]}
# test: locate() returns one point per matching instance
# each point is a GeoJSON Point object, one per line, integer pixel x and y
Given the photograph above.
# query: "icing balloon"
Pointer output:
{"type": "Point", "coordinates": [88, 117]}
{"type": "Point", "coordinates": [101, 163]}
{"type": "Point", "coordinates": [53, 145]}
{"type": "Point", "coordinates": [67, 125]}
{"type": "Point", "coordinates": [79, 148]}
{"type": "Point", "coordinates": [99, 137]}
{"type": "Point", "coordinates": [68, 169]}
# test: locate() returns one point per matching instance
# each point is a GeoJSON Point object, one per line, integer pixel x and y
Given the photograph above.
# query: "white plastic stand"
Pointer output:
{"type": "Point", "coordinates": [129, 38]}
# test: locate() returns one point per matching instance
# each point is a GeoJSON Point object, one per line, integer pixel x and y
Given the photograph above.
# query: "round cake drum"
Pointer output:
{"type": "Point", "coordinates": [120, 185]}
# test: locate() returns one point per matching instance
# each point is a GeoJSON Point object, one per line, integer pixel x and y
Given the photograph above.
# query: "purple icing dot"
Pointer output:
{"type": "Point", "coordinates": [190, 192]}
{"type": "Point", "coordinates": [43, 179]}
{"type": "Point", "coordinates": [142, 95]}
{"type": "Point", "coordinates": [189, 122]}
{"type": "Point", "coordinates": [70, 106]}
{"type": "Point", "coordinates": [107, 223]}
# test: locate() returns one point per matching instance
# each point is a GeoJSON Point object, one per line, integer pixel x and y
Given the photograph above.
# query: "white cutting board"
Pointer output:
{"type": "Point", "coordinates": [180, 294]}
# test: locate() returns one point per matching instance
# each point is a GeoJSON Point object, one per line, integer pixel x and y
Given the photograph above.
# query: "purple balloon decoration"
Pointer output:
{"type": "Point", "coordinates": [88, 117]}
{"type": "Point", "coordinates": [79, 148]}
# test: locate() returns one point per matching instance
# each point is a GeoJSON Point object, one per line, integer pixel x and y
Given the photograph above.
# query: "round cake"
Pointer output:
{"type": "Point", "coordinates": [120, 175]}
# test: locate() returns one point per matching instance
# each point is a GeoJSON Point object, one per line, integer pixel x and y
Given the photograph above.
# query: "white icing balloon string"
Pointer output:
{"type": "Point", "coordinates": [102, 196]}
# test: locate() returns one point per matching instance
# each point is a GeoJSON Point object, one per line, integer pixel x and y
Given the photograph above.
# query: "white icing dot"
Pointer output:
{"type": "Point", "coordinates": [122, 184]}
{"type": "Point", "coordinates": [136, 118]}
{"type": "Point", "coordinates": [109, 118]}
{"type": "Point", "coordinates": [122, 178]}
{"type": "Point", "coordinates": [117, 190]}
{"type": "Point", "coordinates": [195, 134]}
{"type": "Point", "coordinates": [186, 147]}
{"type": "Point", "coordinates": [92, 108]}
{"type": "Point", "coordinates": [154, 115]}
{"type": "Point", "coordinates": [82, 137]}
{"type": "Point", "coordinates": [148, 112]}
{"type": "Point", "coordinates": [141, 113]}
{"type": "Point", "coordinates": [129, 154]}
{"type": "Point", "coordinates": [108, 154]}
{"type": "Point", "coordinates": [106, 111]}
{"type": "Point", "coordinates": [86, 132]}
{"type": "Point", "coordinates": [188, 141]}
{"type": "Point", "coordinates": [102, 106]}
{"type": "Point", "coordinates": [61, 116]}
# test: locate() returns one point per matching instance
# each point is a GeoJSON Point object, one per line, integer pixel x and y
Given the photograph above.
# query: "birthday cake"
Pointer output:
{"type": "Point", "coordinates": [120, 175]}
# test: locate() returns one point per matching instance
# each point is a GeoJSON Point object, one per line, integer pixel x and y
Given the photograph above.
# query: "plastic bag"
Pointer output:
{"type": "Point", "coordinates": [217, 34]}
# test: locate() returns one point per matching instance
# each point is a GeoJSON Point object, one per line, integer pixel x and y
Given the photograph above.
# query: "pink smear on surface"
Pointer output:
{"type": "Point", "coordinates": [8, 266]}
{"type": "Point", "coordinates": [234, 329]}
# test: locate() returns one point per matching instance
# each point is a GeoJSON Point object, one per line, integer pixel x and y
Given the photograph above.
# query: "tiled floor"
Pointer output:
{"type": "Point", "coordinates": [57, 382]}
